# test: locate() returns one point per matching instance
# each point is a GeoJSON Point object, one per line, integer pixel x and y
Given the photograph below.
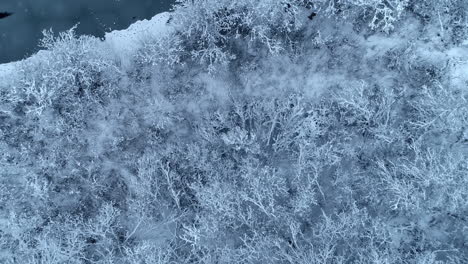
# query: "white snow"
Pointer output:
{"type": "Point", "coordinates": [459, 60]}
{"type": "Point", "coordinates": [126, 42]}
{"type": "Point", "coordinates": [7, 74]}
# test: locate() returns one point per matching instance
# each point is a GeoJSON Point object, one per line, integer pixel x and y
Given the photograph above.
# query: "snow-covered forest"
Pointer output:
{"type": "Point", "coordinates": [245, 131]}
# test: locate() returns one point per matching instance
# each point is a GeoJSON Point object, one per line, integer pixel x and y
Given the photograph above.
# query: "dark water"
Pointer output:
{"type": "Point", "coordinates": [19, 33]}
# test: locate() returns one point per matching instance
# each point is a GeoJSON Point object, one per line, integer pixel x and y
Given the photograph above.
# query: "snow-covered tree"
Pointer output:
{"type": "Point", "coordinates": [328, 131]}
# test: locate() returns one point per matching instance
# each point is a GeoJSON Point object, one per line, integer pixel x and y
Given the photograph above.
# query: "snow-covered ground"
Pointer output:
{"type": "Point", "coordinates": [7, 73]}
{"type": "Point", "coordinates": [124, 43]}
